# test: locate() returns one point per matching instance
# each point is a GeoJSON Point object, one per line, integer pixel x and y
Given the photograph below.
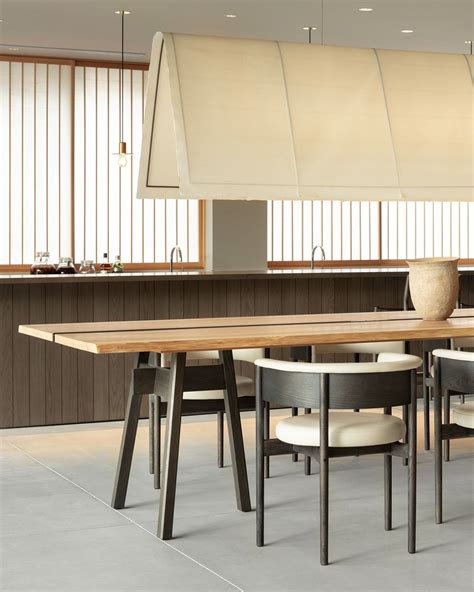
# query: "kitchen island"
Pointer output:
{"type": "Point", "coordinates": [44, 383]}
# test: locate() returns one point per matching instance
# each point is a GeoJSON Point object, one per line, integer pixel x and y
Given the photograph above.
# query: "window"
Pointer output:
{"type": "Point", "coordinates": [368, 232]}
{"type": "Point", "coordinates": [61, 189]}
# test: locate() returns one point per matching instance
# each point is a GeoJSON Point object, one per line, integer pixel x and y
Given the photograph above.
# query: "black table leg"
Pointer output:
{"type": "Point", "coordinates": [234, 429]}
{"type": "Point", "coordinates": [132, 416]}
{"type": "Point", "coordinates": [171, 447]}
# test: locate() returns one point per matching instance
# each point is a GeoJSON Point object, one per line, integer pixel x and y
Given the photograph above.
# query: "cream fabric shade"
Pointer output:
{"type": "Point", "coordinates": [247, 119]}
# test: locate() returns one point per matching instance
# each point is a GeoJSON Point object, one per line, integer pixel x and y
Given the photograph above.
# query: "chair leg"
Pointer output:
{"type": "Point", "coordinates": [157, 433]}
{"type": "Point", "coordinates": [260, 425]}
{"type": "Point", "coordinates": [405, 438]}
{"type": "Point", "coordinates": [426, 399]}
{"type": "Point", "coordinates": [220, 439]}
{"type": "Point", "coordinates": [388, 491]}
{"type": "Point", "coordinates": [294, 412]}
{"type": "Point", "coordinates": [447, 413]}
{"type": "Point", "coordinates": [438, 457]}
{"type": "Point", "coordinates": [412, 467]}
{"type": "Point", "coordinates": [266, 436]}
{"type": "Point", "coordinates": [324, 506]}
{"type": "Point", "coordinates": [307, 459]}
{"type": "Point", "coordinates": [151, 434]}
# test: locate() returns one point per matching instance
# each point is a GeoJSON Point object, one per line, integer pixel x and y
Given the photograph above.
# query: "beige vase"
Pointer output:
{"type": "Point", "coordinates": [434, 286]}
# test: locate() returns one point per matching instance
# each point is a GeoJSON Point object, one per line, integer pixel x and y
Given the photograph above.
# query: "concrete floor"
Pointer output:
{"type": "Point", "coordinates": [58, 533]}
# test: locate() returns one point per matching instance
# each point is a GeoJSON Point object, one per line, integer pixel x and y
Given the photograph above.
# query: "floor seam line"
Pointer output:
{"type": "Point", "coordinates": [166, 544]}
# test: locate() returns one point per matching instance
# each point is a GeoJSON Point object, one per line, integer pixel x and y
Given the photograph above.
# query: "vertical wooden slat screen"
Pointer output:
{"type": "Point", "coordinates": [110, 218]}
{"type": "Point", "coordinates": [368, 231]}
{"type": "Point", "coordinates": [61, 188]}
{"type": "Point", "coordinates": [35, 172]}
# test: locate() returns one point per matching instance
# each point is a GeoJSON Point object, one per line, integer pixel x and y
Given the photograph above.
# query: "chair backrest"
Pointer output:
{"type": "Point", "coordinates": [454, 370]}
{"type": "Point", "coordinates": [463, 342]}
{"type": "Point", "coordinates": [389, 382]}
{"type": "Point", "coordinates": [374, 347]}
{"type": "Point", "coordinates": [239, 355]}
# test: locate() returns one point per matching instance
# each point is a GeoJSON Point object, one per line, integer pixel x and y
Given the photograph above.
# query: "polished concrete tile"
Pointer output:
{"type": "Point", "coordinates": [209, 530]}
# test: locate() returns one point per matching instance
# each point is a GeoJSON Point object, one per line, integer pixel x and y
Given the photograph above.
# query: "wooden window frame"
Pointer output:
{"type": "Point", "coordinates": [15, 268]}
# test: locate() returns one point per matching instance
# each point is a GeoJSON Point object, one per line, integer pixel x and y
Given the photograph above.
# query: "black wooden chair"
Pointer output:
{"type": "Point", "coordinates": [388, 383]}
{"type": "Point", "coordinates": [454, 375]}
{"type": "Point", "coordinates": [458, 343]}
{"type": "Point", "coordinates": [203, 401]}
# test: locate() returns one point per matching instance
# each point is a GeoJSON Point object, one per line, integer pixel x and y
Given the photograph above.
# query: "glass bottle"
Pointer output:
{"type": "Point", "coordinates": [42, 265]}
{"type": "Point", "coordinates": [105, 266]}
{"type": "Point", "coordinates": [87, 266]}
{"type": "Point", "coordinates": [66, 266]}
{"type": "Point", "coordinates": [117, 267]}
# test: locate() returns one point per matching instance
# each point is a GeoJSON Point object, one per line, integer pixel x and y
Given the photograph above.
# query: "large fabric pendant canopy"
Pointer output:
{"type": "Point", "coordinates": [247, 119]}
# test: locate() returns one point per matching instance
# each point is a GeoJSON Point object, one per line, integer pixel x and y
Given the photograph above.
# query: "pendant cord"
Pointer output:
{"type": "Point", "coordinates": [322, 22]}
{"type": "Point", "coordinates": [121, 81]}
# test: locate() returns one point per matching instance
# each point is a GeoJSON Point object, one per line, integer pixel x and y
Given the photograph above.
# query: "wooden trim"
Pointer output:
{"type": "Point", "coordinates": [109, 64]}
{"type": "Point", "coordinates": [72, 62]}
{"type": "Point", "coordinates": [349, 263]}
{"type": "Point", "coordinates": [36, 60]}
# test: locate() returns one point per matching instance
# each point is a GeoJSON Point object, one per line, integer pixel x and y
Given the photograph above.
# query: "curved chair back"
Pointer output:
{"type": "Point", "coordinates": [389, 382]}
{"type": "Point", "coordinates": [454, 370]}
{"type": "Point", "coordinates": [240, 355]}
{"type": "Point", "coordinates": [374, 348]}
{"type": "Point", "coordinates": [463, 342]}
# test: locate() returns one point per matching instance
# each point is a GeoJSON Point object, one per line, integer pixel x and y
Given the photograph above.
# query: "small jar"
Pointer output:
{"type": "Point", "coordinates": [87, 266]}
{"type": "Point", "coordinates": [66, 266]}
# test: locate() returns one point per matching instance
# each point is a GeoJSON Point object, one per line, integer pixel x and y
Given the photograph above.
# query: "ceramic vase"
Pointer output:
{"type": "Point", "coordinates": [434, 286]}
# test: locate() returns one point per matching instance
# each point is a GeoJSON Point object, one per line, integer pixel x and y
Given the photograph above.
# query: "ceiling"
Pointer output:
{"type": "Point", "coordinates": [89, 28]}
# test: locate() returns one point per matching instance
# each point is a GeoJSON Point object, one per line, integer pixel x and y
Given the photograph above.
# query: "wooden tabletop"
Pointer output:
{"type": "Point", "coordinates": [177, 335]}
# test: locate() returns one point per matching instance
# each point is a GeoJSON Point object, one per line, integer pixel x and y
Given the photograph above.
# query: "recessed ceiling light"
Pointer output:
{"type": "Point", "coordinates": [231, 16]}
{"type": "Point", "coordinates": [308, 28]}
{"type": "Point", "coordinates": [468, 42]}
{"type": "Point", "coordinates": [13, 48]}
{"type": "Point", "coordinates": [407, 31]}
{"type": "Point", "coordinates": [122, 12]}
{"type": "Point", "coordinates": [1, 20]}
{"type": "Point", "coordinates": [366, 9]}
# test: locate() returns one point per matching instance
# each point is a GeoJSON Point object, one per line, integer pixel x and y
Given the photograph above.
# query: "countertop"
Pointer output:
{"type": "Point", "coordinates": [324, 272]}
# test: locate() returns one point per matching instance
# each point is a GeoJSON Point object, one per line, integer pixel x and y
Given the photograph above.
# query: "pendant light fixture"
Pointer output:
{"type": "Point", "coordinates": [122, 151]}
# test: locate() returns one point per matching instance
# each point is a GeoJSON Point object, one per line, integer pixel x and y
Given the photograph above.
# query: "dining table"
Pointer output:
{"type": "Point", "coordinates": [177, 337]}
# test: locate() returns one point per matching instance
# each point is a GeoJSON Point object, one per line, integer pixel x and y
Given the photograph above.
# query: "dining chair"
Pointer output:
{"type": "Point", "coordinates": [198, 402]}
{"type": "Point", "coordinates": [461, 344]}
{"type": "Point", "coordinates": [334, 389]}
{"type": "Point", "coordinates": [453, 374]}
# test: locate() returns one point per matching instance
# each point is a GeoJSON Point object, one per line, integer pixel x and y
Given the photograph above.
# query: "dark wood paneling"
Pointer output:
{"type": "Point", "coordinates": [101, 363]}
{"type": "Point", "coordinates": [6, 356]}
{"type": "Point", "coordinates": [21, 357]}
{"type": "Point", "coordinates": [37, 358]}
{"type": "Point", "coordinates": [43, 383]}
{"type": "Point", "coordinates": [85, 361]}
{"type": "Point", "coordinates": [69, 370]}
{"type": "Point", "coordinates": [116, 361]}
{"type": "Point", "coordinates": [53, 371]}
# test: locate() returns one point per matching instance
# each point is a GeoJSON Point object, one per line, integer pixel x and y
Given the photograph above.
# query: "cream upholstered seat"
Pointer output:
{"type": "Point", "coordinates": [463, 415]}
{"type": "Point", "coordinates": [245, 384]}
{"type": "Point", "coordinates": [346, 429]}
{"type": "Point", "coordinates": [245, 388]}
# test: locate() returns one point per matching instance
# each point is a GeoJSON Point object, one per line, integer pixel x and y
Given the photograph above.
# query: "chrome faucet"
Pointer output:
{"type": "Point", "coordinates": [179, 254]}
{"type": "Point", "coordinates": [323, 254]}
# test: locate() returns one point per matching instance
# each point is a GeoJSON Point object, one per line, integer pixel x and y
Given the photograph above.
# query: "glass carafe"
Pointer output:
{"type": "Point", "coordinates": [87, 266]}
{"type": "Point", "coordinates": [66, 266]}
{"type": "Point", "coordinates": [42, 265]}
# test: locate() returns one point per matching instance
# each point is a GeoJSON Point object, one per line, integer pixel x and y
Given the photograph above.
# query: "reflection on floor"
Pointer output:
{"type": "Point", "coordinates": [57, 531]}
